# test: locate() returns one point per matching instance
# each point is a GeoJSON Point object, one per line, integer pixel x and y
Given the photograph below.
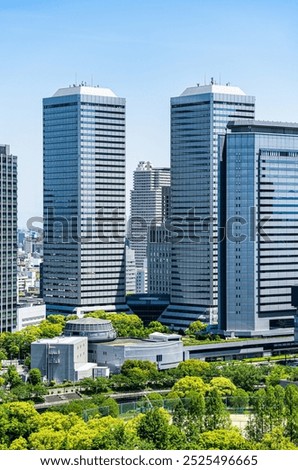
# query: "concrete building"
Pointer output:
{"type": "Point", "coordinates": [89, 348]}
{"type": "Point", "coordinates": [164, 350]}
{"type": "Point", "coordinates": [84, 200]}
{"type": "Point", "coordinates": [8, 239]}
{"type": "Point", "coordinates": [131, 271]}
{"type": "Point", "coordinates": [142, 278]}
{"type": "Point", "coordinates": [259, 252]}
{"type": "Point", "coordinates": [30, 315]}
{"type": "Point", "coordinates": [198, 116]}
{"type": "Point", "coordinates": [62, 358]}
{"type": "Point", "coordinates": [147, 206]}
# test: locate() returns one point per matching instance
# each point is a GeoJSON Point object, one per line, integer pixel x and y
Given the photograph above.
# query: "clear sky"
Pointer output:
{"type": "Point", "coordinates": [145, 51]}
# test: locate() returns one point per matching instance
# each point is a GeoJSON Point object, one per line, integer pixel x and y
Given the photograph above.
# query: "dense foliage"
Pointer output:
{"type": "Point", "coordinates": [190, 407]}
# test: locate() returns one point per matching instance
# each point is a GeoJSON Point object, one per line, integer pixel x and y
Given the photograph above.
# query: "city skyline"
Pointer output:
{"type": "Point", "coordinates": [146, 52]}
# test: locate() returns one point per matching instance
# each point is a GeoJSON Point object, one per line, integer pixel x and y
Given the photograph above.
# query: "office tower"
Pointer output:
{"type": "Point", "coordinates": [146, 209]}
{"type": "Point", "coordinates": [130, 271]}
{"type": "Point", "coordinates": [198, 116]}
{"type": "Point", "coordinates": [84, 200]}
{"type": "Point", "coordinates": [159, 250]}
{"type": "Point", "coordinates": [8, 239]}
{"type": "Point", "coordinates": [259, 253]}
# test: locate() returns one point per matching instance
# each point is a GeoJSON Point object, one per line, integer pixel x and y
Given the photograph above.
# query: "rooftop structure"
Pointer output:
{"type": "Point", "coordinates": [94, 329]}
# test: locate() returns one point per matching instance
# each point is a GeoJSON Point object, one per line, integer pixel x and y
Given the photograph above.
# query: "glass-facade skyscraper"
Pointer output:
{"type": "Point", "coordinates": [198, 116]}
{"type": "Point", "coordinates": [84, 200]}
{"type": "Point", "coordinates": [8, 239]}
{"type": "Point", "coordinates": [259, 210]}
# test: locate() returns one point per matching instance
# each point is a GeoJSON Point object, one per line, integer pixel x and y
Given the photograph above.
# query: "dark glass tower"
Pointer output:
{"type": "Point", "coordinates": [8, 239]}
{"type": "Point", "coordinates": [259, 254]}
{"type": "Point", "coordinates": [198, 116]}
{"type": "Point", "coordinates": [84, 200]}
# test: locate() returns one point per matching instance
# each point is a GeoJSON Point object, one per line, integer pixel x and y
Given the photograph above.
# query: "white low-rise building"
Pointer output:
{"type": "Point", "coordinates": [30, 315]}
{"type": "Point", "coordinates": [62, 358]}
{"type": "Point", "coordinates": [164, 351]}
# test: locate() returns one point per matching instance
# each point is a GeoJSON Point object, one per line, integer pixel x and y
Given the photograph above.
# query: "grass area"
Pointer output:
{"type": "Point", "coordinates": [191, 341]}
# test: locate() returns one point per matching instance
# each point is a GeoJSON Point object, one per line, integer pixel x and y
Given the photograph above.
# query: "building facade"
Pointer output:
{"type": "Point", "coordinates": [62, 358]}
{"type": "Point", "coordinates": [84, 200]}
{"type": "Point", "coordinates": [147, 208]}
{"type": "Point", "coordinates": [159, 260]}
{"type": "Point", "coordinates": [259, 211]}
{"type": "Point", "coordinates": [131, 271]}
{"type": "Point", "coordinates": [198, 116]}
{"type": "Point", "coordinates": [166, 351]}
{"type": "Point", "coordinates": [8, 239]}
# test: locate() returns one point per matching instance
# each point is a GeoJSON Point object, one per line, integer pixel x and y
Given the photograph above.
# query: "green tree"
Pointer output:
{"type": "Point", "coordinates": [35, 377]}
{"type": "Point", "coordinates": [17, 419]}
{"type": "Point", "coordinates": [19, 444]}
{"type": "Point", "coordinates": [109, 407]}
{"type": "Point", "coordinates": [224, 439]}
{"type": "Point", "coordinates": [275, 407]}
{"type": "Point", "coordinates": [47, 439]}
{"type": "Point", "coordinates": [187, 384]}
{"type": "Point", "coordinates": [156, 399]}
{"type": "Point", "coordinates": [277, 372]}
{"type": "Point", "coordinates": [276, 440]}
{"type": "Point", "coordinates": [129, 364]}
{"type": "Point", "coordinates": [154, 427]}
{"type": "Point", "coordinates": [195, 328]}
{"type": "Point", "coordinates": [258, 421]}
{"type": "Point", "coordinates": [57, 319]}
{"type": "Point", "coordinates": [50, 330]}
{"type": "Point", "coordinates": [224, 386]}
{"type": "Point", "coordinates": [11, 377]}
{"type": "Point", "coordinates": [245, 376]}
{"type": "Point", "coordinates": [216, 415]}
{"type": "Point", "coordinates": [20, 392]}
{"type": "Point", "coordinates": [194, 368]}
{"type": "Point", "coordinates": [156, 326]}
{"type": "Point", "coordinates": [239, 400]}
{"type": "Point", "coordinates": [291, 413]}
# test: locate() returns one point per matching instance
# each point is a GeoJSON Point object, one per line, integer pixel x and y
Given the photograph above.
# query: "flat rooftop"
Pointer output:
{"type": "Point", "coordinates": [243, 125]}
{"type": "Point", "coordinates": [61, 340]}
{"type": "Point", "coordinates": [219, 89]}
{"type": "Point", "coordinates": [85, 90]}
{"type": "Point", "coordinates": [89, 321]}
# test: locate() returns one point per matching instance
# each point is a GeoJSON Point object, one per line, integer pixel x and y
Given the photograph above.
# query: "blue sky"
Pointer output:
{"type": "Point", "coordinates": [145, 51]}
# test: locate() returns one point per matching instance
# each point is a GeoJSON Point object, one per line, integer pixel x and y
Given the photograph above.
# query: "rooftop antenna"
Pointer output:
{"type": "Point", "coordinates": [76, 78]}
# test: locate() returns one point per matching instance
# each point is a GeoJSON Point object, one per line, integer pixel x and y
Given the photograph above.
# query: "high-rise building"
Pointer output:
{"type": "Point", "coordinates": [84, 200]}
{"type": "Point", "coordinates": [8, 239]}
{"type": "Point", "coordinates": [147, 209]}
{"type": "Point", "coordinates": [130, 271]}
{"type": "Point", "coordinates": [259, 212]}
{"type": "Point", "coordinates": [159, 250]}
{"type": "Point", "coordinates": [198, 116]}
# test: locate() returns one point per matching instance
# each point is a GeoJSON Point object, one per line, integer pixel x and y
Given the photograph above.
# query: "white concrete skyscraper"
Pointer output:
{"type": "Point", "coordinates": [84, 200]}
{"type": "Point", "coordinates": [198, 116]}
{"type": "Point", "coordinates": [8, 239]}
{"type": "Point", "coordinates": [146, 208]}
